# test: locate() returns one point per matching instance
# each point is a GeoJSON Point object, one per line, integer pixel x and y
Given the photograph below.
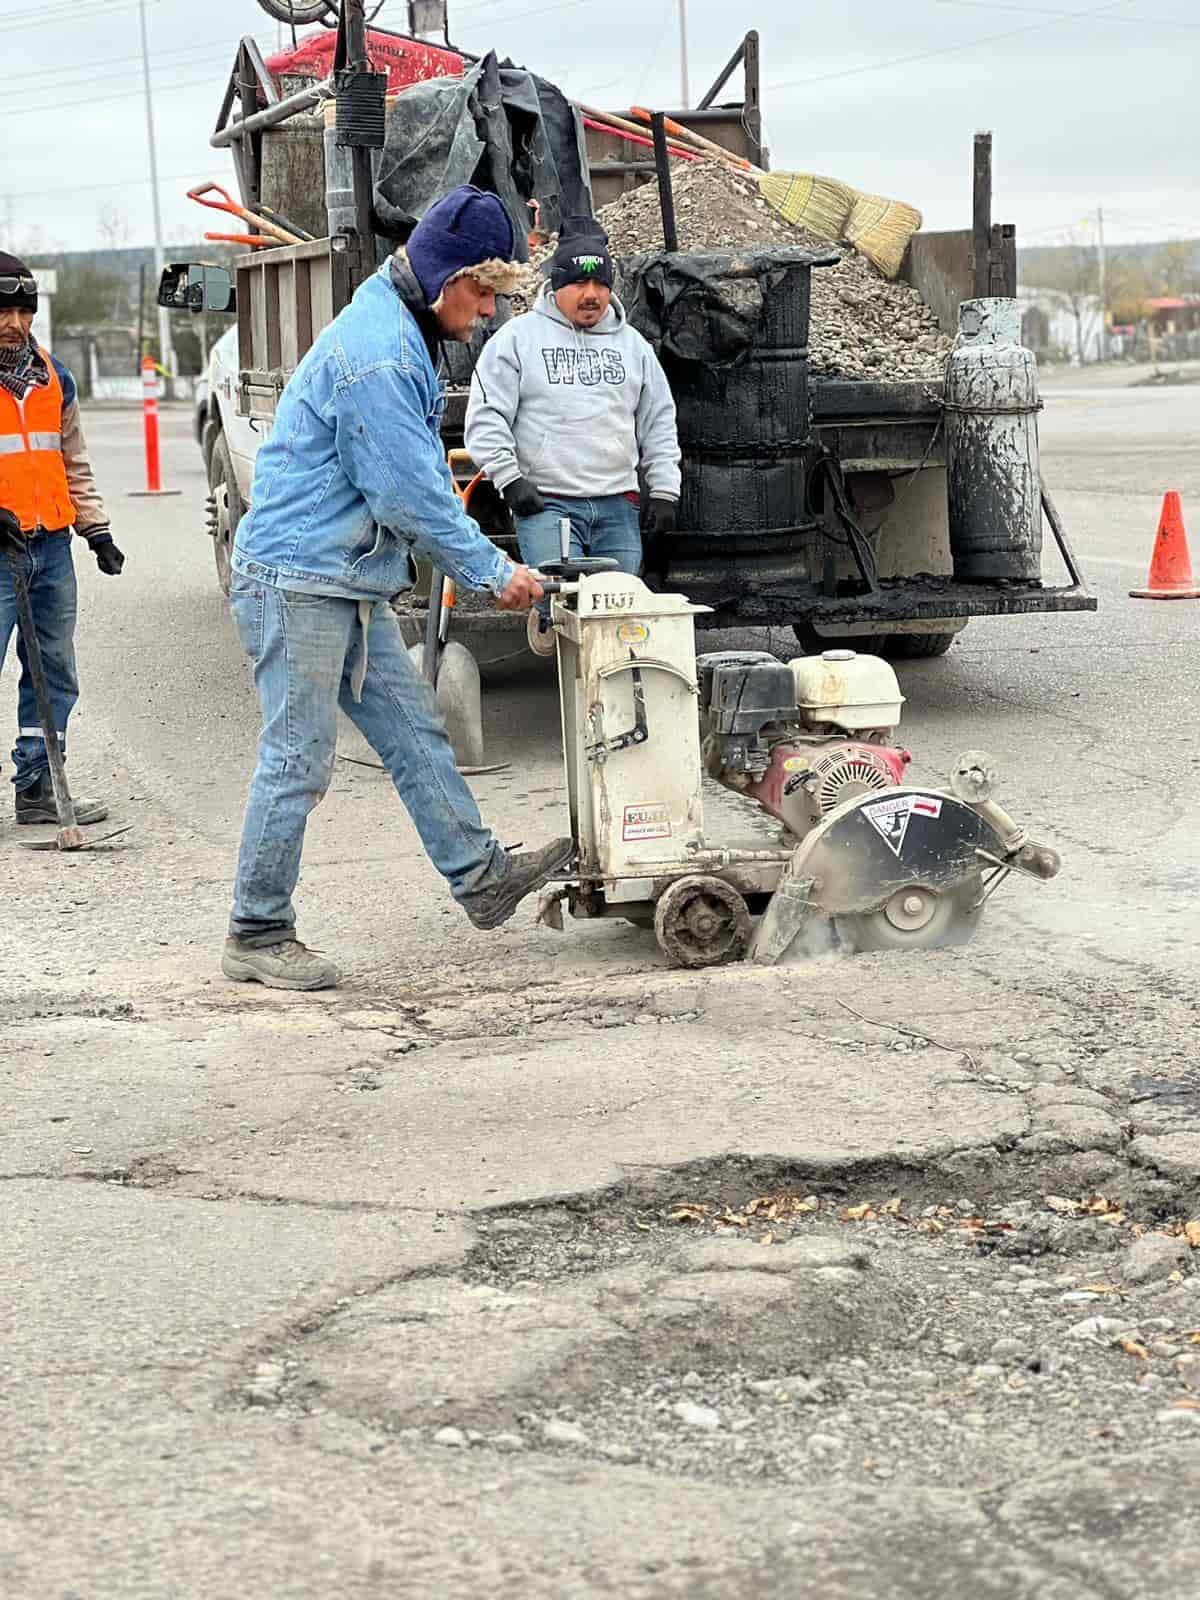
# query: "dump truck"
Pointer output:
{"type": "Point", "coordinates": [857, 545]}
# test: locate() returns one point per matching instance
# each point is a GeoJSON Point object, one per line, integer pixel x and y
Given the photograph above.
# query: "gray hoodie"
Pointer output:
{"type": "Point", "coordinates": [576, 410]}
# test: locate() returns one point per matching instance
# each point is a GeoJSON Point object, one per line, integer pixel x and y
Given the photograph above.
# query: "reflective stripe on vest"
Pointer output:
{"type": "Point", "coordinates": [13, 444]}
{"type": "Point", "coordinates": [33, 474]}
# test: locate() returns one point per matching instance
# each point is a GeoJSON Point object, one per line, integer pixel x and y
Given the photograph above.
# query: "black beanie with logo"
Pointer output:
{"type": "Point", "coordinates": [582, 255]}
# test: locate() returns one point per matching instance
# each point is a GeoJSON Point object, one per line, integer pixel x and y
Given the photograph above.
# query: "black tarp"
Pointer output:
{"type": "Point", "coordinates": [715, 308]}
{"type": "Point", "coordinates": [497, 126]}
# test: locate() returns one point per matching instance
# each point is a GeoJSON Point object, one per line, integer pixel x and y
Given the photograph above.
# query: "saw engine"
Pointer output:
{"type": "Point", "coordinates": [801, 737]}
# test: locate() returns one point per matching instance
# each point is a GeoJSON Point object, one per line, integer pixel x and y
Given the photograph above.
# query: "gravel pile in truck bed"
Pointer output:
{"type": "Point", "coordinates": [863, 326]}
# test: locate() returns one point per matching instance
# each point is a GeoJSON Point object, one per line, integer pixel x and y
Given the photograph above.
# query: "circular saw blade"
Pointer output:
{"type": "Point", "coordinates": [898, 870]}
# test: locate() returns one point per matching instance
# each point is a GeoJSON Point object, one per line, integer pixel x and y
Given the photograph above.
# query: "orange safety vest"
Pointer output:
{"type": "Point", "coordinates": [33, 474]}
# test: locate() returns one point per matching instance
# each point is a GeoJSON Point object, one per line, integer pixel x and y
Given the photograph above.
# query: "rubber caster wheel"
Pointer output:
{"type": "Point", "coordinates": [701, 922]}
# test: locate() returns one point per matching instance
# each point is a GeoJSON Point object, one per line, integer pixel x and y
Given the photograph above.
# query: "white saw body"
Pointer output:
{"type": "Point", "coordinates": [863, 856]}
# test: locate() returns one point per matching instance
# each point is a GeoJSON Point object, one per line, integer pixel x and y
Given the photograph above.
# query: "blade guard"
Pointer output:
{"type": "Point", "coordinates": [868, 848]}
{"type": "Point", "coordinates": [875, 844]}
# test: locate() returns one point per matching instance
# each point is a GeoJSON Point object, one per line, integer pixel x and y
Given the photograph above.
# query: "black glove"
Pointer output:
{"type": "Point", "coordinates": [10, 529]}
{"type": "Point", "coordinates": [108, 558]}
{"type": "Point", "coordinates": [522, 498]}
{"type": "Point", "coordinates": [659, 516]}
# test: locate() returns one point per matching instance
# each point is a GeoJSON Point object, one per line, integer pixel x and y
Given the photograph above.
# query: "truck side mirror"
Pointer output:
{"type": "Point", "coordinates": [193, 286]}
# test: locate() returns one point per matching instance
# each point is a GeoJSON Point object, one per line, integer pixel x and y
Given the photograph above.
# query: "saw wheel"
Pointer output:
{"type": "Point", "coordinates": [916, 917]}
{"type": "Point", "coordinates": [701, 922]}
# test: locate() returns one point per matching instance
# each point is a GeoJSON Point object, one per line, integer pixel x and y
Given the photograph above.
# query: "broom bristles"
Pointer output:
{"type": "Point", "coordinates": [819, 205]}
{"type": "Point", "coordinates": [881, 229]}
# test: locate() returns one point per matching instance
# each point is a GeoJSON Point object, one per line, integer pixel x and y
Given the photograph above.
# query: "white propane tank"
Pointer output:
{"type": "Point", "coordinates": [993, 471]}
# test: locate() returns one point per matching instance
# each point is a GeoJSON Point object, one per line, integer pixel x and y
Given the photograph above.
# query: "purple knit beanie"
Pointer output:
{"type": "Point", "coordinates": [461, 230]}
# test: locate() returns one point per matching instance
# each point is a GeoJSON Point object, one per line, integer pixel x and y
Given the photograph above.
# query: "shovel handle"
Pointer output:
{"type": "Point", "coordinates": [279, 234]}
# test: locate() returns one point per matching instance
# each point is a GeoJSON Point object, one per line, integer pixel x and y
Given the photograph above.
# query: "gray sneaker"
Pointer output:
{"type": "Point", "coordinates": [287, 965]}
{"type": "Point", "coordinates": [530, 870]}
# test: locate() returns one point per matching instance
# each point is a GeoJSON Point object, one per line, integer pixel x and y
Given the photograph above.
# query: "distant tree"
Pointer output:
{"type": "Point", "coordinates": [1175, 268]}
{"type": "Point", "coordinates": [85, 294]}
{"type": "Point", "coordinates": [113, 227]}
{"type": "Point", "coordinates": [1073, 271]}
{"type": "Point", "coordinates": [1129, 287]}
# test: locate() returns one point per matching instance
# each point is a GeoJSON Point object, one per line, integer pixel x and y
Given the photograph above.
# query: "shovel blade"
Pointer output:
{"type": "Point", "coordinates": [460, 699]}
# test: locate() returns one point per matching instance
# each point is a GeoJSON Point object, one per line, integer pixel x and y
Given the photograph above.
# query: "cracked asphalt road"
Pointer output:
{"type": "Point", "coordinates": [464, 1279]}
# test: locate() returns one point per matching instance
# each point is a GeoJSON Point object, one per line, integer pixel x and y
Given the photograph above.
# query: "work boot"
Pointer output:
{"type": "Point", "coordinates": [529, 870]}
{"type": "Point", "coordinates": [287, 965]}
{"type": "Point", "coordinates": [36, 804]}
{"type": "Point", "coordinates": [539, 634]}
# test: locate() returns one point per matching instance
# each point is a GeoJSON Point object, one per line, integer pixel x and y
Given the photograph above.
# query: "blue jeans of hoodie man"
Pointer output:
{"type": "Point", "coordinates": [350, 486]}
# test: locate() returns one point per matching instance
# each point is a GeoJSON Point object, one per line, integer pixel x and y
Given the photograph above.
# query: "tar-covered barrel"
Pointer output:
{"type": "Point", "coordinates": [731, 331]}
{"type": "Point", "coordinates": [993, 473]}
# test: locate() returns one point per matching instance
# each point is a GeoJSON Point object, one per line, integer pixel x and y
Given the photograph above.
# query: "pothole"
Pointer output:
{"type": "Point", "coordinates": [780, 1334]}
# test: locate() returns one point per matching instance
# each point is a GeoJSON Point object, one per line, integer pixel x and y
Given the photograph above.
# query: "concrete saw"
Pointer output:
{"type": "Point", "coordinates": [862, 857]}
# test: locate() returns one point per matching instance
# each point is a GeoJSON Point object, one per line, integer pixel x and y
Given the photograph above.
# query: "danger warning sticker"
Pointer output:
{"type": "Point", "coordinates": [652, 821]}
{"type": "Point", "coordinates": [890, 818]}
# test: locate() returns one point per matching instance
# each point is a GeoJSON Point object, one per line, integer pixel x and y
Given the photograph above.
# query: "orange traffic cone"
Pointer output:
{"type": "Point", "coordinates": [1170, 565]}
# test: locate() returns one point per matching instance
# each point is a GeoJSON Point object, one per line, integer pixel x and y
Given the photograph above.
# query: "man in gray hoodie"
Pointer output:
{"type": "Point", "coordinates": [566, 405]}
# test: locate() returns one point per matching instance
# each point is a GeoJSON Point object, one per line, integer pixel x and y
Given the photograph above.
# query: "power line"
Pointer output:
{"type": "Point", "coordinates": [73, 11]}
{"type": "Point", "coordinates": [116, 183]}
{"type": "Point", "coordinates": [1050, 11]}
{"type": "Point", "coordinates": [188, 52]}
{"type": "Point", "coordinates": [945, 50]}
{"type": "Point", "coordinates": [28, 111]}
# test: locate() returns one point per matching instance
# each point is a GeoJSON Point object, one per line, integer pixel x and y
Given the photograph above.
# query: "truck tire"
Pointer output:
{"type": "Point", "coordinates": [813, 641]}
{"type": "Point", "coordinates": [916, 646]}
{"type": "Point", "coordinates": [225, 509]}
{"type": "Point", "coordinates": [209, 435]}
{"type": "Point", "coordinates": [891, 646]}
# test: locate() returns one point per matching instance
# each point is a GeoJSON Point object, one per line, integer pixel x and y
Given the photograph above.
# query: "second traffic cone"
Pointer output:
{"type": "Point", "coordinates": [1170, 565]}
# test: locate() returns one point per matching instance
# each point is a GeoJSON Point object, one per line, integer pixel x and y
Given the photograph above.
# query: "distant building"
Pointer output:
{"type": "Point", "coordinates": [1174, 314]}
{"type": "Point", "coordinates": [1058, 326]}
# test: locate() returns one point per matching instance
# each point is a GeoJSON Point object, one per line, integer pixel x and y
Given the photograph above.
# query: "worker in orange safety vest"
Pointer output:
{"type": "Point", "coordinates": [46, 485]}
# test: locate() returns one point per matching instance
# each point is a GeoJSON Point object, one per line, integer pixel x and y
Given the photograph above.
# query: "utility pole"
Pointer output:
{"type": "Point", "coordinates": [684, 92]}
{"type": "Point", "coordinates": [164, 320]}
{"type": "Point", "coordinates": [1103, 266]}
{"type": "Point", "coordinates": [10, 228]}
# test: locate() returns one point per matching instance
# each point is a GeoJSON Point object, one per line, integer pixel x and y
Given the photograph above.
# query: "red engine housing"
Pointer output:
{"type": "Point", "coordinates": [823, 771]}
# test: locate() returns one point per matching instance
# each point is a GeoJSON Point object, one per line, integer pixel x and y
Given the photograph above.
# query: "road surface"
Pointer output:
{"type": "Point", "coordinates": [525, 1266]}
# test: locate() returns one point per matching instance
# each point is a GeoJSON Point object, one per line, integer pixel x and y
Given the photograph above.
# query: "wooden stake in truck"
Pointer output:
{"type": "Point", "coordinates": [884, 514]}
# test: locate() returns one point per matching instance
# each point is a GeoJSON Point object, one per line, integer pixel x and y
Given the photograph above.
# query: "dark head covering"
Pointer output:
{"type": "Point", "coordinates": [25, 299]}
{"type": "Point", "coordinates": [582, 255]}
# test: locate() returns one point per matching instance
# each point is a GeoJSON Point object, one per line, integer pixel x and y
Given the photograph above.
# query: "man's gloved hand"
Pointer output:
{"type": "Point", "coordinates": [659, 516]}
{"type": "Point", "coordinates": [522, 498]}
{"type": "Point", "coordinates": [10, 529]}
{"type": "Point", "coordinates": [108, 558]}
{"type": "Point", "coordinates": [522, 590]}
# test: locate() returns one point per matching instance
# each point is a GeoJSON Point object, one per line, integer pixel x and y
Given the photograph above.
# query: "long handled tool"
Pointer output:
{"type": "Point", "coordinates": [279, 234]}
{"type": "Point", "coordinates": [696, 141]}
{"type": "Point", "coordinates": [450, 667]}
{"type": "Point", "coordinates": [70, 835]}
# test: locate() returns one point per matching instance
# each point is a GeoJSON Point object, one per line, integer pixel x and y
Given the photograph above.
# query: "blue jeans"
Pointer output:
{"type": "Point", "coordinates": [607, 526]}
{"type": "Point", "coordinates": [51, 574]}
{"type": "Point", "coordinates": [305, 649]}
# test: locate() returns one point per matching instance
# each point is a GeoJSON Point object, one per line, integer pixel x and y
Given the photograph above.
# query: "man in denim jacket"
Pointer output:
{"type": "Point", "coordinates": [352, 484]}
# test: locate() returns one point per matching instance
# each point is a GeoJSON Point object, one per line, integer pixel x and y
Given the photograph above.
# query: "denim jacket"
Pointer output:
{"type": "Point", "coordinates": [352, 480]}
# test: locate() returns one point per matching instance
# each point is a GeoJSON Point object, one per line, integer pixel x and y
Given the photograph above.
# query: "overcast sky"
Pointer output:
{"type": "Point", "coordinates": [1090, 104]}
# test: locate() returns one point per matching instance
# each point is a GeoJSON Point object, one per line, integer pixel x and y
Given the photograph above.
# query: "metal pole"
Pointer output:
{"type": "Point", "coordinates": [685, 98]}
{"type": "Point", "coordinates": [666, 196]}
{"type": "Point", "coordinates": [981, 227]}
{"type": "Point", "coordinates": [1103, 265]}
{"type": "Point", "coordinates": [164, 319]}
